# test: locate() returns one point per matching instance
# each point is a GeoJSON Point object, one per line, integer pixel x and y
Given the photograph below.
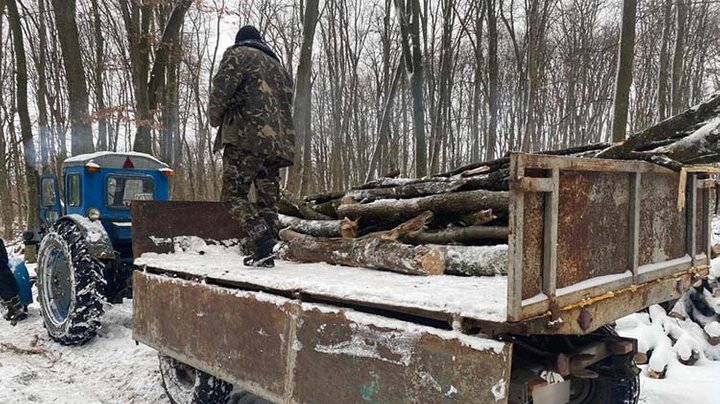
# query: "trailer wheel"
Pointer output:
{"type": "Point", "coordinates": [70, 284]}
{"type": "Point", "coordinates": [187, 385]}
{"type": "Point", "coordinates": [612, 387]}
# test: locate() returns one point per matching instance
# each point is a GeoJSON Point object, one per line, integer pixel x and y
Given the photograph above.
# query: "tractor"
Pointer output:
{"type": "Point", "coordinates": [85, 254]}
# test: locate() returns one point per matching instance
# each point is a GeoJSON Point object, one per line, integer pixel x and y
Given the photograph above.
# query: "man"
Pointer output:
{"type": "Point", "coordinates": [9, 290]}
{"type": "Point", "coordinates": [251, 102]}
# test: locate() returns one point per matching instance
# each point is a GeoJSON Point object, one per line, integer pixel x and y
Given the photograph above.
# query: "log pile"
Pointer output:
{"type": "Point", "coordinates": [457, 222]}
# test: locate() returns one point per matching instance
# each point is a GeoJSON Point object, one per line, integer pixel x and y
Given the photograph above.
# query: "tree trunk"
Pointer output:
{"type": "Point", "coordinates": [22, 109]}
{"type": "Point", "coordinates": [678, 57]}
{"type": "Point", "coordinates": [302, 107]}
{"type": "Point", "coordinates": [663, 74]}
{"type": "Point", "coordinates": [493, 80]}
{"type": "Point", "coordinates": [409, 15]}
{"type": "Point", "coordinates": [81, 130]}
{"type": "Point", "coordinates": [102, 143]}
{"type": "Point", "coordinates": [624, 71]}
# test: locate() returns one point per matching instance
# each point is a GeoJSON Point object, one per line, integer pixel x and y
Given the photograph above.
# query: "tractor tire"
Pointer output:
{"type": "Point", "coordinates": [70, 285]}
{"type": "Point", "coordinates": [187, 385]}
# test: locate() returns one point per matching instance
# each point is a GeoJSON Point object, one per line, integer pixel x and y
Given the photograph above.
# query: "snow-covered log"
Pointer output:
{"type": "Point", "coordinates": [375, 253]}
{"type": "Point", "coordinates": [443, 204]}
{"type": "Point", "coordinates": [368, 252]}
{"type": "Point", "coordinates": [457, 235]}
{"type": "Point", "coordinates": [317, 228]}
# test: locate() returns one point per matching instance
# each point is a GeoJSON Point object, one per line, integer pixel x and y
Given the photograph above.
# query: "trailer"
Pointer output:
{"type": "Point", "coordinates": [590, 241]}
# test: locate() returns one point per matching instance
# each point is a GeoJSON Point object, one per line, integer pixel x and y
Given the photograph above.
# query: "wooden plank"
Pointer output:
{"type": "Point", "coordinates": [289, 351]}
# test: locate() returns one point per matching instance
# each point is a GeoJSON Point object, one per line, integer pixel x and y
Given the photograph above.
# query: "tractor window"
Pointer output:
{"type": "Point", "coordinates": [48, 192]}
{"type": "Point", "coordinates": [73, 190]}
{"type": "Point", "coordinates": [122, 190]}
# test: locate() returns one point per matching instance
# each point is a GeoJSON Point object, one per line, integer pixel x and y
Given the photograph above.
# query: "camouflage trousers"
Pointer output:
{"type": "Point", "coordinates": [241, 170]}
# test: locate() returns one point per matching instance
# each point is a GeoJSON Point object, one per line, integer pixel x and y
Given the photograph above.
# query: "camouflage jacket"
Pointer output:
{"type": "Point", "coordinates": [251, 102]}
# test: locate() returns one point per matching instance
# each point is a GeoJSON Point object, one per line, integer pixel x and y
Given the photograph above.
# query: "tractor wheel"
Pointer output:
{"type": "Point", "coordinates": [187, 385]}
{"type": "Point", "coordinates": [70, 284]}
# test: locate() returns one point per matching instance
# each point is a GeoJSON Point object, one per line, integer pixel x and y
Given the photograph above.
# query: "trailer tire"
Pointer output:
{"type": "Point", "coordinates": [187, 385]}
{"type": "Point", "coordinates": [613, 386]}
{"type": "Point", "coordinates": [70, 285]}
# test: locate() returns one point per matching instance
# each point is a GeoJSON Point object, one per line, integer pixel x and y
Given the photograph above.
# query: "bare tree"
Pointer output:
{"type": "Point", "coordinates": [624, 70]}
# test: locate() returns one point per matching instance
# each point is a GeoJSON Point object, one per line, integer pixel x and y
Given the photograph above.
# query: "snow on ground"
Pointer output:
{"type": "Point", "coordinates": [110, 369]}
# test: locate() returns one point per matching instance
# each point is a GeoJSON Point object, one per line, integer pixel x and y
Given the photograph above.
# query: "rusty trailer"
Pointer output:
{"type": "Point", "coordinates": [590, 241]}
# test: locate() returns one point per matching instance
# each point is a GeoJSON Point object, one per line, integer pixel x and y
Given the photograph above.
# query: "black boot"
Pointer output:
{"type": "Point", "coordinates": [16, 311]}
{"type": "Point", "coordinates": [264, 254]}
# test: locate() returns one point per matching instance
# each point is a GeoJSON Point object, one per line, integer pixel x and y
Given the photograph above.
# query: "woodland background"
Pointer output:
{"type": "Point", "coordinates": [415, 86]}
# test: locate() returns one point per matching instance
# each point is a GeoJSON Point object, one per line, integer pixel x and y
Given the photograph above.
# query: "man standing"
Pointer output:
{"type": "Point", "coordinates": [9, 290]}
{"type": "Point", "coordinates": [251, 102]}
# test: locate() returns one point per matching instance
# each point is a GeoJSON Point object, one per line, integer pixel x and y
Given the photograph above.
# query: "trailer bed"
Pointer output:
{"type": "Point", "coordinates": [440, 297]}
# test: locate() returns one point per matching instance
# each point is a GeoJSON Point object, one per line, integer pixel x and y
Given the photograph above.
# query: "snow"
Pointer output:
{"type": "Point", "coordinates": [90, 156]}
{"type": "Point", "coordinates": [482, 298]}
{"type": "Point", "coordinates": [110, 369]}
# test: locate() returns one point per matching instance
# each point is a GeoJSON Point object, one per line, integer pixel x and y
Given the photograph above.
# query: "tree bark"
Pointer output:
{"type": "Point", "coordinates": [443, 204]}
{"type": "Point", "coordinates": [457, 235]}
{"type": "Point", "coordinates": [623, 79]}
{"type": "Point", "coordinates": [409, 15]}
{"type": "Point", "coordinates": [370, 252]}
{"type": "Point", "coordinates": [102, 143]}
{"type": "Point", "coordinates": [678, 57]}
{"type": "Point", "coordinates": [22, 109]}
{"type": "Point", "coordinates": [299, 179]}
{"type": "Point", "coordinates": [662, 89]}
{"type": "Point", "coordinates": [493, 80]}
{"type": "Point", "coordinates": [315, 228]}
{"type": "Point", "coordinates": [81, 130]}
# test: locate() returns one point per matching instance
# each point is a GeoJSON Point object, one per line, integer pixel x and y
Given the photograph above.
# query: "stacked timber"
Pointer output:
{"type": "Point", "coordinates": [457, 222]}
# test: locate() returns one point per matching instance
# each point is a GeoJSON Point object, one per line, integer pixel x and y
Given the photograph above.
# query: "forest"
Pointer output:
{"type": "Point", "coordinates": [414, 87]}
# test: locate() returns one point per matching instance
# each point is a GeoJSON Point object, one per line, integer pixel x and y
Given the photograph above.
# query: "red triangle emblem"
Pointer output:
{"type": "Point", "coordinates": [128, 163]}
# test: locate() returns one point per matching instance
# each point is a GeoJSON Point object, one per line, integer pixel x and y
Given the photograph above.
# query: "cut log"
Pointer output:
{"type": "Point", "coordinates": [665, 129]}
{"type": "Point", "coordinates": [288, 205]}
{"type": "Point", "coordinates": [398, 182]}
{"type": "Point", "coordinates": [348, 228]}
{"type": "Point", "coordinates": [457, 235]}
{"type": "Point", "coordinates": [320, 198]}
{"type": "Point", "coordinates": [317, 228]}
{"type": "Point", "coordinates": [475, 260]}
{"type": "Point", "coordinates": [410, 226]}
{"type": "Point", "coordinates": [478, 218]}
{"type": "Point", "coordinates": [702, 146]}
{"type": "Point", "coordinates": [371, 252]}
{"type": "Point", "coordinates": [405, 191]}
{"type": "Point", "coordinates": [495, 181]}
{"type": "Point", "coordinates": [452, 203]}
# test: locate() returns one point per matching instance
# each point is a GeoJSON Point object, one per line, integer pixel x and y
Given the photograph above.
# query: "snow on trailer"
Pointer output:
{"type": "Point", "coordinates": [590, 241]}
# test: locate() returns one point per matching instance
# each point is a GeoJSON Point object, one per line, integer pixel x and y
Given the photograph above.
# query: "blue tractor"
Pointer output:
{"type": "Point", "coordinates": [85, 255]}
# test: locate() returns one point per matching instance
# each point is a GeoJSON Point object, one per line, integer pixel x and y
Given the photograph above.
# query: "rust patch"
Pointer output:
{"type": "Point", "coordinates": [592, 225]}
{"type": "Point", "coordinates": [533, 233]}
{"type": "Point", "coordinates": [662, 226]}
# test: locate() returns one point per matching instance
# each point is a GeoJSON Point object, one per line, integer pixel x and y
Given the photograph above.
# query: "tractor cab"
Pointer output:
{"type": "Point", "coordinates": [85, 256]}
{"type": "Point", "coordinates": [100, 187]}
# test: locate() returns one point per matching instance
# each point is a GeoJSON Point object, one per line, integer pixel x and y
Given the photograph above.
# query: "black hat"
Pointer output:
{"type": "Point", "coordinates": [246, 33]}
